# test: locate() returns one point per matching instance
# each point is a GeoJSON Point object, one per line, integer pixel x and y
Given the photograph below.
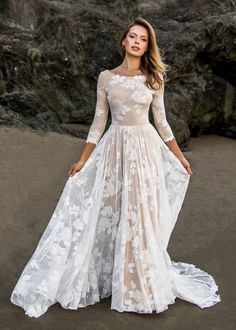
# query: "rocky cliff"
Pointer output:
{"type": "Point", "coordinates": [51, 53]}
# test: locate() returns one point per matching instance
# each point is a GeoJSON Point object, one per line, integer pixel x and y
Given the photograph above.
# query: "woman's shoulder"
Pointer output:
{"type": "Point", "coordinates": [104, 72]}
{"type": "Point", "coordinates": [103, 78]}
{"type": "Point", "coordinates": [104, 75]}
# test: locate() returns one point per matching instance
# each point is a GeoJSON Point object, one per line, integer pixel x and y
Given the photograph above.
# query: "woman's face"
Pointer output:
{"type": "Point", "coordinates": [136, 41]}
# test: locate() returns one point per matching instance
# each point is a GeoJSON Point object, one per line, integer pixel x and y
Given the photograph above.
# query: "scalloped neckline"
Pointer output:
{"type": "Point", "coordinates": [117, 74]}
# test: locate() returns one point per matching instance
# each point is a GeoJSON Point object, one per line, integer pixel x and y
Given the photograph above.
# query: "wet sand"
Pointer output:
{"type": "Point", "coordinates": [33, 172]}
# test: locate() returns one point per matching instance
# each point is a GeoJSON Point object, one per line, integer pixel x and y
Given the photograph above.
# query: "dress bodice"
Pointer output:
{"type": "Point", "coordinates": [129, 100]}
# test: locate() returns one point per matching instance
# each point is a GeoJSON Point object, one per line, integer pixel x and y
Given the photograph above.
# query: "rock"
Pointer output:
{"type": "Point", "coordinates": [51, 53]}
{"type": "Point", "coordinates": [12, 119]}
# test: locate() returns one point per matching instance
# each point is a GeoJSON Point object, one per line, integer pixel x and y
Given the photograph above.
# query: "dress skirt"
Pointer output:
{"type": "Point", "coordinates": [109, 233]}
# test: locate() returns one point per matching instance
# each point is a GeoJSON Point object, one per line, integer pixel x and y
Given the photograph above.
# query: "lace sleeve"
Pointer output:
{"type": "Point", "coordinates": [159, 115]}
{"type": "Point", "coordinates": [101, 112]}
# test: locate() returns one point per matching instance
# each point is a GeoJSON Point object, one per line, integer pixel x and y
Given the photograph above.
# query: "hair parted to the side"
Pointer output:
{"type": "Point", "coordinates": [152, 64]}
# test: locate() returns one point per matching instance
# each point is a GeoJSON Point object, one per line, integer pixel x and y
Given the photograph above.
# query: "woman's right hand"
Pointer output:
{"type": "Point", "coordinates": [75, 167]}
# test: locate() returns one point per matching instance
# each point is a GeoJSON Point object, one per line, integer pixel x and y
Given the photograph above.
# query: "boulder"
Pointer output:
{"type": "Point", "coordinates": [51, 53]}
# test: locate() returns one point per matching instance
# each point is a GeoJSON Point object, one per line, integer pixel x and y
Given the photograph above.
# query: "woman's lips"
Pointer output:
{"type": "Point", "coordinates": [135, 48]}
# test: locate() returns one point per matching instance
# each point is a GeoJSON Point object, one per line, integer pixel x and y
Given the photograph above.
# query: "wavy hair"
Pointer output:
{"type": "Point", "coordinates": [152, 64]}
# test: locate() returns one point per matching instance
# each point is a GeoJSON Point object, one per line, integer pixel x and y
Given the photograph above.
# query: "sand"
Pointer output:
{"type": "Point", "coordinates": [33, 172]}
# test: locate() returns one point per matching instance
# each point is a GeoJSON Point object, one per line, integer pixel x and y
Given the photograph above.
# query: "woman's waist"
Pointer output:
{"type": "Point", "coordinates": [125, 124]}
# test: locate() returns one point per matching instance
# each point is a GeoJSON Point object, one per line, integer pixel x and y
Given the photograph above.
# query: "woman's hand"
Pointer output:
{"type": "Point", "coordinates": [186, 165]}
{"type": "Point", "coordinates": [75, 167]}
{"type": "Point", "coordinates": [174, 147]}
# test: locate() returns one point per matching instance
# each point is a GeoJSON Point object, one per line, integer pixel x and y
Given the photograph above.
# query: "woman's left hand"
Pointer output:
{"type": "Point", "coordinates": [186, 165]}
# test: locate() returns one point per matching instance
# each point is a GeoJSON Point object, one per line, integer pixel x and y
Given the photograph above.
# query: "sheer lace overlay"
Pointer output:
{"type": "Point", "coordinates": [109, 233]}
{"type": "Point", "coordinates": [129, 101]}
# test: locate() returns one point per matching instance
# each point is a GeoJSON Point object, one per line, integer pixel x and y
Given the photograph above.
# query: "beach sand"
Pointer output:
{"type": "Point", "coordinates": [33, 171]}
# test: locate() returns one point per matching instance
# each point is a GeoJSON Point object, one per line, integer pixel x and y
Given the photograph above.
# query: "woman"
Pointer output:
{"type": "Point", "coordinates": [109, 233]}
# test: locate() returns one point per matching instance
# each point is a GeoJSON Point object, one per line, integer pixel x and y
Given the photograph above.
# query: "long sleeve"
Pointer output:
{"type": "Point", "coordinates": [159, 115]}
{"type": "Point", "coordinates": [101, 112]}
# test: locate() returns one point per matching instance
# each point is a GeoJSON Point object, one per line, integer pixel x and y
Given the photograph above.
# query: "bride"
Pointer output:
{"type": "Point", "coordinates": [109, 233]}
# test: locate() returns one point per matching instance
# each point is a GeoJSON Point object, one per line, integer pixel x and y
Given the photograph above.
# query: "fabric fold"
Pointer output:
{"type": "Point", "coordinates": [109, 233]}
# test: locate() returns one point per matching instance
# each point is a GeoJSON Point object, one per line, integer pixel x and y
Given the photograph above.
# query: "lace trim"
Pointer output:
{"type": "Point", "coordinates": [117, 74]}
{"type": "Point", "coordinates": [170, 138]}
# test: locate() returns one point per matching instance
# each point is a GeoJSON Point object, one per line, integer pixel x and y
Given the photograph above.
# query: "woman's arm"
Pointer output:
{"type": "Point", "coordinates": [163, 127]}
{"type": "Point", "coordinates": [97, 128]}
{"type": "Point", "coordinates": [101, 112]}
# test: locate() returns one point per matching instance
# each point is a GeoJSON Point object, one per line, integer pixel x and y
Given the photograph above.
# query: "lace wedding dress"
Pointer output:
{"type": "Point", "coordinates": [109, 233]}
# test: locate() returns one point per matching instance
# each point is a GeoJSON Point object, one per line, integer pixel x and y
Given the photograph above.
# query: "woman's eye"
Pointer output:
{"type": "Point", "coordinates": [141, 39]}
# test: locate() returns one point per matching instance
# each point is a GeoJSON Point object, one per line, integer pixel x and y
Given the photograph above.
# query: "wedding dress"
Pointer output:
{"type": "Point", "coordinates": [109, 233]}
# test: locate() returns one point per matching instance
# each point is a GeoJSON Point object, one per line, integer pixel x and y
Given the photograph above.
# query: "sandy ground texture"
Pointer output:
{"type": "Point", "coordinates": [33, 172]}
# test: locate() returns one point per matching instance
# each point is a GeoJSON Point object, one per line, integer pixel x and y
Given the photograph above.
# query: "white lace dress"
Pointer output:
{"type": "Point", "coordinates": [110, 229]}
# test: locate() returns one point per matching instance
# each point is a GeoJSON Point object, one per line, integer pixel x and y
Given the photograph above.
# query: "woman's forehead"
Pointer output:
{"type": "Point", "coordinates": [139, 30]}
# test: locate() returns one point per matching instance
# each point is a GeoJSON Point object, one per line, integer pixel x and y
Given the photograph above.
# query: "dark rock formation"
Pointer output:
{"type": "Point", "coordinates": [51, 53]}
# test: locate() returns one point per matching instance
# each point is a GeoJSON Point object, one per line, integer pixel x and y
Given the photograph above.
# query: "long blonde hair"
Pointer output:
{"type": "Point", "coordinates": [152, 64]}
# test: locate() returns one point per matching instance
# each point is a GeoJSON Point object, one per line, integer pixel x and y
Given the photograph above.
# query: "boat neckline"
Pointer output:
{"type": "Point", "coordinates": [117, 74]}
